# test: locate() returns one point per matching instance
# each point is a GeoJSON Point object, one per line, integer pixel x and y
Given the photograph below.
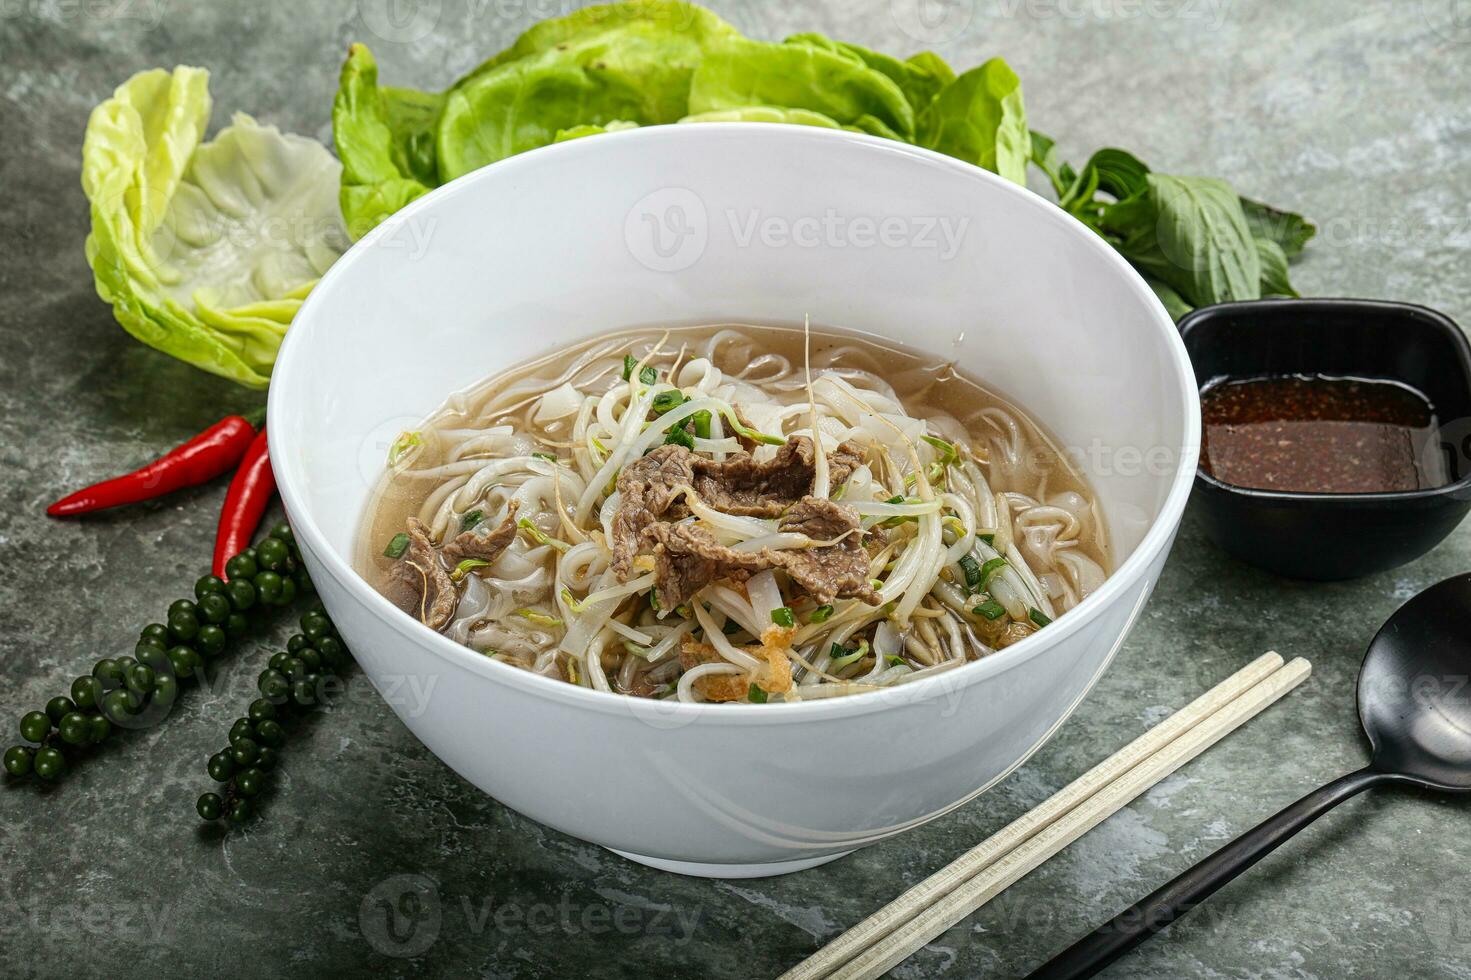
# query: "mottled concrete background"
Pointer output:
{"type": "Point", "coordinates": [1357, 114]}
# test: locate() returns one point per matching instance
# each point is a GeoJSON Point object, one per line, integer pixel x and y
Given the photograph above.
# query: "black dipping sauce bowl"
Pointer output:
{"type": "Point", "coordinates": [1327, 536]}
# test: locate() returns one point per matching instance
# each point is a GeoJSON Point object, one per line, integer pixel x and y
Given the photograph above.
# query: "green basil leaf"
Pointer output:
{"type": "Point", "coordinates": [1046, 158]}
{"type": "Point", "coordinates": [1174, 303]}
{"type": "Point", "coordinates": [1289, 230]}
{"type": "Point", "coordinates": [1191, 234]}
{"type": "Point", "coordinates": [1115, 172]}
{"type": "Point", "coordinates": [1274, 269]}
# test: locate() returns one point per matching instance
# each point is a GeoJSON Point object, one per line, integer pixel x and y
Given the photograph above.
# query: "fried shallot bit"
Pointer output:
{"type": "Point", "coordinates": [774, 676]}
{"type": "Point", "coordinates": [720, 687]}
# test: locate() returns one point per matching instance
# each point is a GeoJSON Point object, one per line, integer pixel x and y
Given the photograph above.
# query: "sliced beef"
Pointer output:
{"type": "Point", "coordinates": [741, 485]}
{"type": "Point", "coordinates": [835, 571]}
{"type": "Point", "coordinates": [480, 544]}
{"type": "Point", "coordinates": [418, 583]}
{"type": "Point", "coordinates": [649, 488]}
{"type": "Point", "coordinates": [687, 557]}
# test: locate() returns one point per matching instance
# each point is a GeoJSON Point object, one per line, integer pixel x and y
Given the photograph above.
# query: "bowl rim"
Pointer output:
{"type": "Point", "coordinates": [1201, 317]}
{"type": "Point", "coordinates": [1135, 567]}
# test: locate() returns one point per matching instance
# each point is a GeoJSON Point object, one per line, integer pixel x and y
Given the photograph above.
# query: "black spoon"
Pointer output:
{"type": "Point", "coordinates": [1415, 706]}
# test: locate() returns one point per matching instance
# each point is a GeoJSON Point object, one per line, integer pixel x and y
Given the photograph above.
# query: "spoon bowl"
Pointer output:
{"type": "Point", "coordinates": [1415, 689]}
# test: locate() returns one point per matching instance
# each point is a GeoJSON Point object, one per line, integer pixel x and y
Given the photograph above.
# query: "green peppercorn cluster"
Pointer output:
{"type": "Point", "coordinates": [135, 691]}
{"type": "Point", "coordinates": [294, 680]}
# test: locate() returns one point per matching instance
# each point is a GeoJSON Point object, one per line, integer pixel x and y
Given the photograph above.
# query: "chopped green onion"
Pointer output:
{"type": "Point", "coordinates": [991, 609]}
{"type": "Point", "coordinates": [648, 375]}
{"type": "Point", "coordinates": [894, 661]}
{"type": "Point", "coordinates": [840, 657]}
{"type": "Point", "coordinates": [701, 419]}
{"type": "Point", "coordinates": [948, 453]}
{"type": "Point", "coordinates": [756, 695]}
{"type": "Point", "coordinates": [666, 401]}
{"type": "Point", "coordinates": [654, 600]}
{"type": "Point", "coordinates": [820, 614]}
{"type": "Point", "coordinates": [972, 570]}
{"type": "Point", "coordinates": [988, 538]}
{"type": "Point", "coordinates": [546, 456]}
{"type": "Point", "coordinates": [1038, 616]}
{"type": "Point", "coordinates": [397, 545]}
{"type": "Point", "coordinates": [991, 568]}
{"type": "Point", "coordinates": [539, 536]}
{"type": "Point", "coordinates": [679, 436]}
{"type": "Point", "coordinates": [539, 618]}
{"type": "Point", "coordinates": [471, 519]}
{"type": "Point", "coordinates": [782, 616]}
{"type": "Point", "coordinates": [402, 445]}
{"type": "Point", "coordinates": [465, 567]}
{"type": "Point", "coordinates": [750, 433]}
{"type": "Point", "coordinates": [898, 498]}
{"type": "Point", "coordinates": [731, 627]}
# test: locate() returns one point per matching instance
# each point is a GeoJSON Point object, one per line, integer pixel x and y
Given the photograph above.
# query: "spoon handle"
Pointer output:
{"type": "Point", "coordinates": [1149, 915]}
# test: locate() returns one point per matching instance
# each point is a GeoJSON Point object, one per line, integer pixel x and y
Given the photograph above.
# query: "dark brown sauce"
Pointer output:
{"type": "Point", "coordinates": [1319, 435]}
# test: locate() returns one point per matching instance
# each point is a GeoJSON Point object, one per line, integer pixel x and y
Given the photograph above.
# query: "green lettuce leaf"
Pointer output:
{"type": "Point", "coordinates": [578, 75]}
{"type": "Point", "coordinates": [740, 74]}
{"type": "Point", "coordinates": [979, 118]}
{"type": "Point", "coordinates": [701, 26]}
{"type": "Point", "coordinates": [766, 114]}
{"type": "Point", "coordinates": [205, 250]}
{"type": "Point", "coordinates": [385, 140]}
{"type": "Point", "coordinates": [920, 78]}
{"type": "Point", "coordinates": [577, 132]}
{"type": "Point", "coordinates": [637, 72]}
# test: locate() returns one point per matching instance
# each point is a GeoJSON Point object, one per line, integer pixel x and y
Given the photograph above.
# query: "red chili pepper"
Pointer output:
{"type": "Point", "coordinates": [197, 461]}
{"type": "Point", "coordinates": [245, 503]}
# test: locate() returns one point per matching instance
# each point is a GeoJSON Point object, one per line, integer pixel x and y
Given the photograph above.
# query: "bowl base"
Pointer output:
{"type": "Point", "coordinates": [696, 869]}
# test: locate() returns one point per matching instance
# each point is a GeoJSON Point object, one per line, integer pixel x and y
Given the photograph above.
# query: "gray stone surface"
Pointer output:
{"type": "Point", "coordinates": [1356, 113]}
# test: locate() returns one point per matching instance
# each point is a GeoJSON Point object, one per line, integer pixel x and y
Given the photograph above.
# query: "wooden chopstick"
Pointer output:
{"type": "Point", "coordinates": [944, 898]}
{"type": "Point", "coordinates": [974, 893]}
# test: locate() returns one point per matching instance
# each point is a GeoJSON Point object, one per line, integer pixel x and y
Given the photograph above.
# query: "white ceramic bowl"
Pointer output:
{"type": "Point", "coordinates": [733, 222]}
